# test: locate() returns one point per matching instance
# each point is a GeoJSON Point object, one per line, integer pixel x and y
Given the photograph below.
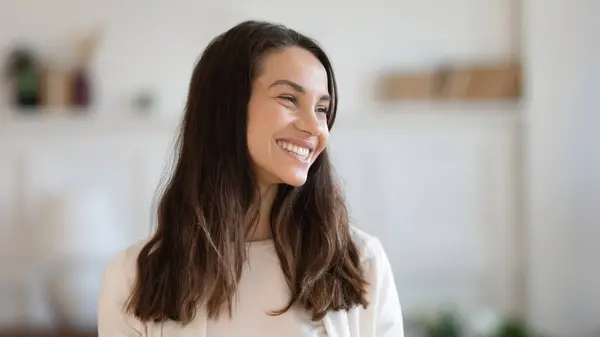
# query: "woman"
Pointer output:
{"type": "Point", "coordinates": [253, 236]}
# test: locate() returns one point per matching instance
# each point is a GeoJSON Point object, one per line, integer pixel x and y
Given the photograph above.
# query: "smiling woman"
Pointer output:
{"type": "Point", "coordinates": [253, 234]}
{"type": "Point", "coordinates": [287, 116]}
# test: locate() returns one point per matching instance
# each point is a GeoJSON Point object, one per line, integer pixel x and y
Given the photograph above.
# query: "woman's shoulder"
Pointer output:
{"type": "Point", "coordinates": [117, 284]}
{"type": "Point", "coordinates": [383, 316]}
{"type": "Point", "coordinates": [369, 246]}
{"type": "Point", "coordinates": [121, 267]}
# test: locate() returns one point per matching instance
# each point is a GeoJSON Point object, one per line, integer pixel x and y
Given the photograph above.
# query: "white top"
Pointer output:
{"type": "Point", "coordinates": [263, 289]}
{"type": "Point", "coordinates": [382, 318]}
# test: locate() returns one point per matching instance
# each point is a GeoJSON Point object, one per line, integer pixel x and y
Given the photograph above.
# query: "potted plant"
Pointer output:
{"type": "Point", "coordinates": [445, 323]}
{"type": "Point", "coordinates": [514, 327]}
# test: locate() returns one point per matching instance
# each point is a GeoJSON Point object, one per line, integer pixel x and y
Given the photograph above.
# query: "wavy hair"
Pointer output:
{"type": "Point", "coordinates": [195, 256]}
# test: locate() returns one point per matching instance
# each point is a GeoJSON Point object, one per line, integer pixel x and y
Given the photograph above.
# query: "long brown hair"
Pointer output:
{"type": "Point", "coordinates": [198, 250]}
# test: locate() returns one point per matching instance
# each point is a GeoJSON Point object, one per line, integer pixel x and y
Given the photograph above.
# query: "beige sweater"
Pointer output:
{"type": "Point", "coordinates": [382, 318]}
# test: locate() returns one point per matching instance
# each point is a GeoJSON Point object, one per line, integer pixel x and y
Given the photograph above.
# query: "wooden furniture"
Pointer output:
{"type": "Point", "coordinates": [47, 334]}
{"type": "Point", "coordinates": [499, 82]}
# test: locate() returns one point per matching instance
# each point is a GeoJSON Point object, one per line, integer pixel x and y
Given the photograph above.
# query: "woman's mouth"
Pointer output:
{"type": "Point", "coordinates": [299, 152]}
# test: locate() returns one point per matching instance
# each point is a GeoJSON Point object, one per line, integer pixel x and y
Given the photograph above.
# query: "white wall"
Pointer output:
{"type": "Point", "coordinates": [563, 160]}
{"type": "Point", "coordinates": [437, 183]}
{"type": "Point", "coordinates": [154, 43]}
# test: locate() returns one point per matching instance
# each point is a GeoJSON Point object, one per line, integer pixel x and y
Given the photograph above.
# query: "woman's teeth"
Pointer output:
{"type": "Point", "coordinates": [299, 151]}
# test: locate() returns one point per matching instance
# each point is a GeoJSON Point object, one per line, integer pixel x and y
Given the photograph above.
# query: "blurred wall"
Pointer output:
{"type": "Point", "coordinates": [438, 183]}
{"type": "Point", "coordinates": [154, 43]}
{"type": "Point", "coordinates": [563, 164]}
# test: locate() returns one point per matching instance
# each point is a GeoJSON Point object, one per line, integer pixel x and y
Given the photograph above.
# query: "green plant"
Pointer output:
{"type": "Point", "coordinates": [444, 324]}
{"type": "Point", "coordinates": [514, 328]}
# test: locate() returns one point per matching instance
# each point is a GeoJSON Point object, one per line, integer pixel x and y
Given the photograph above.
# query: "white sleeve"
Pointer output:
{"type": "Point", "coordinates": [113, 321]}
{"type": "Point", "coordinates": [383, 316]}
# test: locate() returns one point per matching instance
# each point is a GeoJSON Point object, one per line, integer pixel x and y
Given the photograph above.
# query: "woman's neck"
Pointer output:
{"type": "Point", "coordinates": [261, 230]}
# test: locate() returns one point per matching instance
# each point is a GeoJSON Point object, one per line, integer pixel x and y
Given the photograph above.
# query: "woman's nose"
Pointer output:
{"type": "Point", "coordinates": [309, 122]}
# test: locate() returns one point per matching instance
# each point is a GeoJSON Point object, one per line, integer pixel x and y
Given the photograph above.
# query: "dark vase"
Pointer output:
{"type": "Point", "coordinates": [81, 89]}
{"type": "Point", "coordinates": [23, 68]}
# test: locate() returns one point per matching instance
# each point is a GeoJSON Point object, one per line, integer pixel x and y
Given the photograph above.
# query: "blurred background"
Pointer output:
{"type": "Point", "coordinates": [465, 141]}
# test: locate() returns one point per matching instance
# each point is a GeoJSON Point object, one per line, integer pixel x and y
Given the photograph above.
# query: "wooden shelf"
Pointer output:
{"type": "Point", "coordinates": [47, 122]}
{"type": "Point", "coordinates": [24, 333]}
{"type": "Point", "coordinates": [492, 83]}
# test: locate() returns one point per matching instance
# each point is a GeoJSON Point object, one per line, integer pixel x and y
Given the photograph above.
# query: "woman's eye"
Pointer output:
{"type": "Point", "coordinates": [321, 110]}
{"type": "Point", "coordinates": [288, 98]}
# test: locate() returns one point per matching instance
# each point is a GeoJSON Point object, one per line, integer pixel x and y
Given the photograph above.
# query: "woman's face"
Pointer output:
{"type": "Point", "coordinates": [287, 116]}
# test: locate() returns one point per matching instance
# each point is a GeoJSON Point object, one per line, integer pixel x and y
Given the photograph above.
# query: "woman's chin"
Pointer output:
{"type": "Point", "coordinates": [295, 179]}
